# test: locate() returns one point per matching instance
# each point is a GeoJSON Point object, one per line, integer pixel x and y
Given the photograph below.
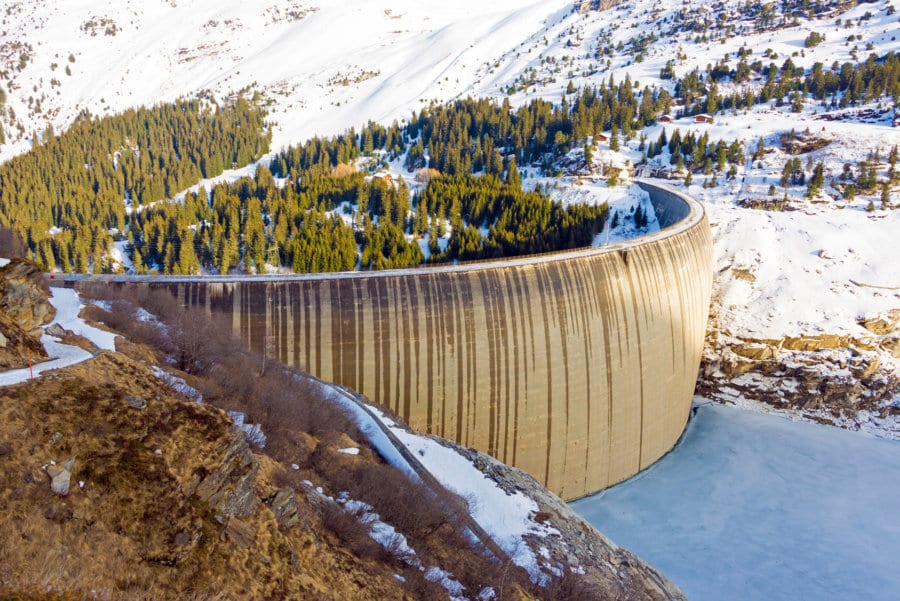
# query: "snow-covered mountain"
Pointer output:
{"type": "Point", "coordinates": [805, 313]}
{"type": "Point", "coordinates": [324, 66]}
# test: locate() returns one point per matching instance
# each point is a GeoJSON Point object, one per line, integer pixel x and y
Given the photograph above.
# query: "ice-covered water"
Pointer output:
{"type": "Point", "coordinates": [756, 507]}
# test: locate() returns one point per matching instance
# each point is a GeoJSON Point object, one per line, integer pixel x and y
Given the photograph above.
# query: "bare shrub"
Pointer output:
{"type": "Point", "coordinates": [121, 316]}
{"type": "Point", "coordinates": [197, 341]}
{"type": "Point", "coordinates": [12, 245]}
{"type": "Point", "coordinates": [422, 588]}
{"type": "Point", "coordinates": [570, 586]}
{"type": "Point", "coordinates": [351, 531]}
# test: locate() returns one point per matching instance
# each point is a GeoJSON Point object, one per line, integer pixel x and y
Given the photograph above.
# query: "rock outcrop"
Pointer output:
{"type": "Point", "coordinates": [23, 296]}
{"type": "Point", "coordinates": [613, 571]}
{"type": "Point", "coordinates": [24, 309]}
{"type": "Point", "coordinates": [60, 477]}
{"type": "Point", "coordinates": [584, 6]}
{"type": "Point", "coordinates": [843, 380]}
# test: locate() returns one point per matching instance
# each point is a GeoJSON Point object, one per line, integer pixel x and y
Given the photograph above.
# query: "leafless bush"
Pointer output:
{"type": "Point", "coordinates": [351, 531]}
{"type": "Point", "coordinates": [198, 342]}
{"type": "Point", "coordinates": [121, 317]}
{"type": "Point", "coordinates": [570, 586]}
{"type": "Point", "coordinates": [422, 588]}
{"type": "Point", "coordinates": [11, 244]}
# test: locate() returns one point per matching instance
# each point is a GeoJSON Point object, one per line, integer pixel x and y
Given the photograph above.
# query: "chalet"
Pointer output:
{"type": "Point", "coordinates": [385, 177]}
{"type": "Point", "coordinates": [666, 119]}
{"type": "Point", "coordinates": [601, 138]}
{"type": "Point", "coordinates": [703, 118]}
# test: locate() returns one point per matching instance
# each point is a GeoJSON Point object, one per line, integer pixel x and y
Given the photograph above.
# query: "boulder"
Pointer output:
{"type": "Point", "coordinates": [135, 402]}
{"type": "Point", "coordinates": [285, 507]}
{"type": "Point", "coordinates": [892, 345]}
{"type": "Point", "coordinates": [241, 533]}
{"type": "Point", "coordinates": [60, 477]}
{"type": "Point", "coordinates": [757, 352]}
{"type": "Point", "coordinates": [56, 331]}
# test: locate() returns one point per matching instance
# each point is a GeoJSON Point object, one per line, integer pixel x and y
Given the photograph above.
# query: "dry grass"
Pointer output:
{"type": "Point", "coordinates": [118, 536]}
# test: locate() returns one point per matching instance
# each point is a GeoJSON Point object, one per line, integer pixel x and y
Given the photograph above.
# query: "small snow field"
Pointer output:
{"type": "Point", "coordinates": [506, 517]}
{"type": "Point", "coordinates": [178, 384]}
{"type": "Point", "coordinates": [67, 305]}
{"type": "Point", "coordinates": [760, 508]}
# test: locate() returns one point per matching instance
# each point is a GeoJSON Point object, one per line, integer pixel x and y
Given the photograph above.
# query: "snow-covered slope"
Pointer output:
{"type": "Point", "coordinates": [325, 65]}
{"type": "Point", "coordinates": [814, 275]}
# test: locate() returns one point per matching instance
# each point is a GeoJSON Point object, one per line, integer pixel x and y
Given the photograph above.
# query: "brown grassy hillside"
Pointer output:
{"type": "Point", "coordinates": [173, 502]}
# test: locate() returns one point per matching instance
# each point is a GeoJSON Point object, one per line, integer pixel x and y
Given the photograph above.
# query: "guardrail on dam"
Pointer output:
{"type": "Point", "coordinates": [578, 367]}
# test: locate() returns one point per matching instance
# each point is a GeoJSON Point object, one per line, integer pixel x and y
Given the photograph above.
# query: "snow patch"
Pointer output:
{"type": "Point", "coordinates": [253, 432]}
{"type": "Point", "coordinates": [178, 384]}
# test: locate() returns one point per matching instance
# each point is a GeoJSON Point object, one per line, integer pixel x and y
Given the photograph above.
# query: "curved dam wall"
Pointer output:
{"type": "Point", "coordinates": [578, 367]}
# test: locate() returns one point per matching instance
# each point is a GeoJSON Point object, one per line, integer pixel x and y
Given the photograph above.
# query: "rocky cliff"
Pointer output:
{"type": "Point", "coordinates": [839, 379]}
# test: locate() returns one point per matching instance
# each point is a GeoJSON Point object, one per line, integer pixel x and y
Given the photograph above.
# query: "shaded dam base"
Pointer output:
{"type": "Point", "coordinates": [577, 366]}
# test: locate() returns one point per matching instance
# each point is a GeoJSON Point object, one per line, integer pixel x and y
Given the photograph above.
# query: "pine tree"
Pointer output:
{"type": "Point", "coordinates": [512, 174]}
{"type": "Point", "coordinates": [816, 181]}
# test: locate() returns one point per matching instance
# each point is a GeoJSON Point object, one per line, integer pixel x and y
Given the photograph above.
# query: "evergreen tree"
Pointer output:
{"type": "Point", "coordinates": [816, 181]}
{"type": "Point", "coordinates": [512, 174]}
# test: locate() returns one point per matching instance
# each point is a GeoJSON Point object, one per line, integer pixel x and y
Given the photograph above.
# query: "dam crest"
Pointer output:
{"type": "Point", "coordinates": [577, 366]}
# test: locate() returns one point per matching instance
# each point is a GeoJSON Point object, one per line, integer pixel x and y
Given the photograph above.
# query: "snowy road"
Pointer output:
{"type": "Point", "coordinates": [758, 508]}
{"type": "Point", "coordinates": [67, 306]}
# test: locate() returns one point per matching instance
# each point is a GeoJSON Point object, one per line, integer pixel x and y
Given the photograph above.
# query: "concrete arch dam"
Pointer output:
{"type": "Point", "coordinates": [578, 367]}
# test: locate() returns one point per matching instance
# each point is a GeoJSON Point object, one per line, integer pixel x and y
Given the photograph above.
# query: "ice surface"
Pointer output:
{"type": "Point", "coordinates": [759, 508]}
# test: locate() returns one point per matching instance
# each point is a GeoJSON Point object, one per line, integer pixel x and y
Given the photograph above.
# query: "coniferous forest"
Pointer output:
{"type": "Point", "coordinates": [289, 215]}
{"type": "Point", "coordinates": [67, 197]}
{"type": "Point", "coordinates": [316, 208]}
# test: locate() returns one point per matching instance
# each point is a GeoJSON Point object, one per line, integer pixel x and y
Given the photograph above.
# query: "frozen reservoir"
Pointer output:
{"type": "Point", "coordinates": [755, 507]}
